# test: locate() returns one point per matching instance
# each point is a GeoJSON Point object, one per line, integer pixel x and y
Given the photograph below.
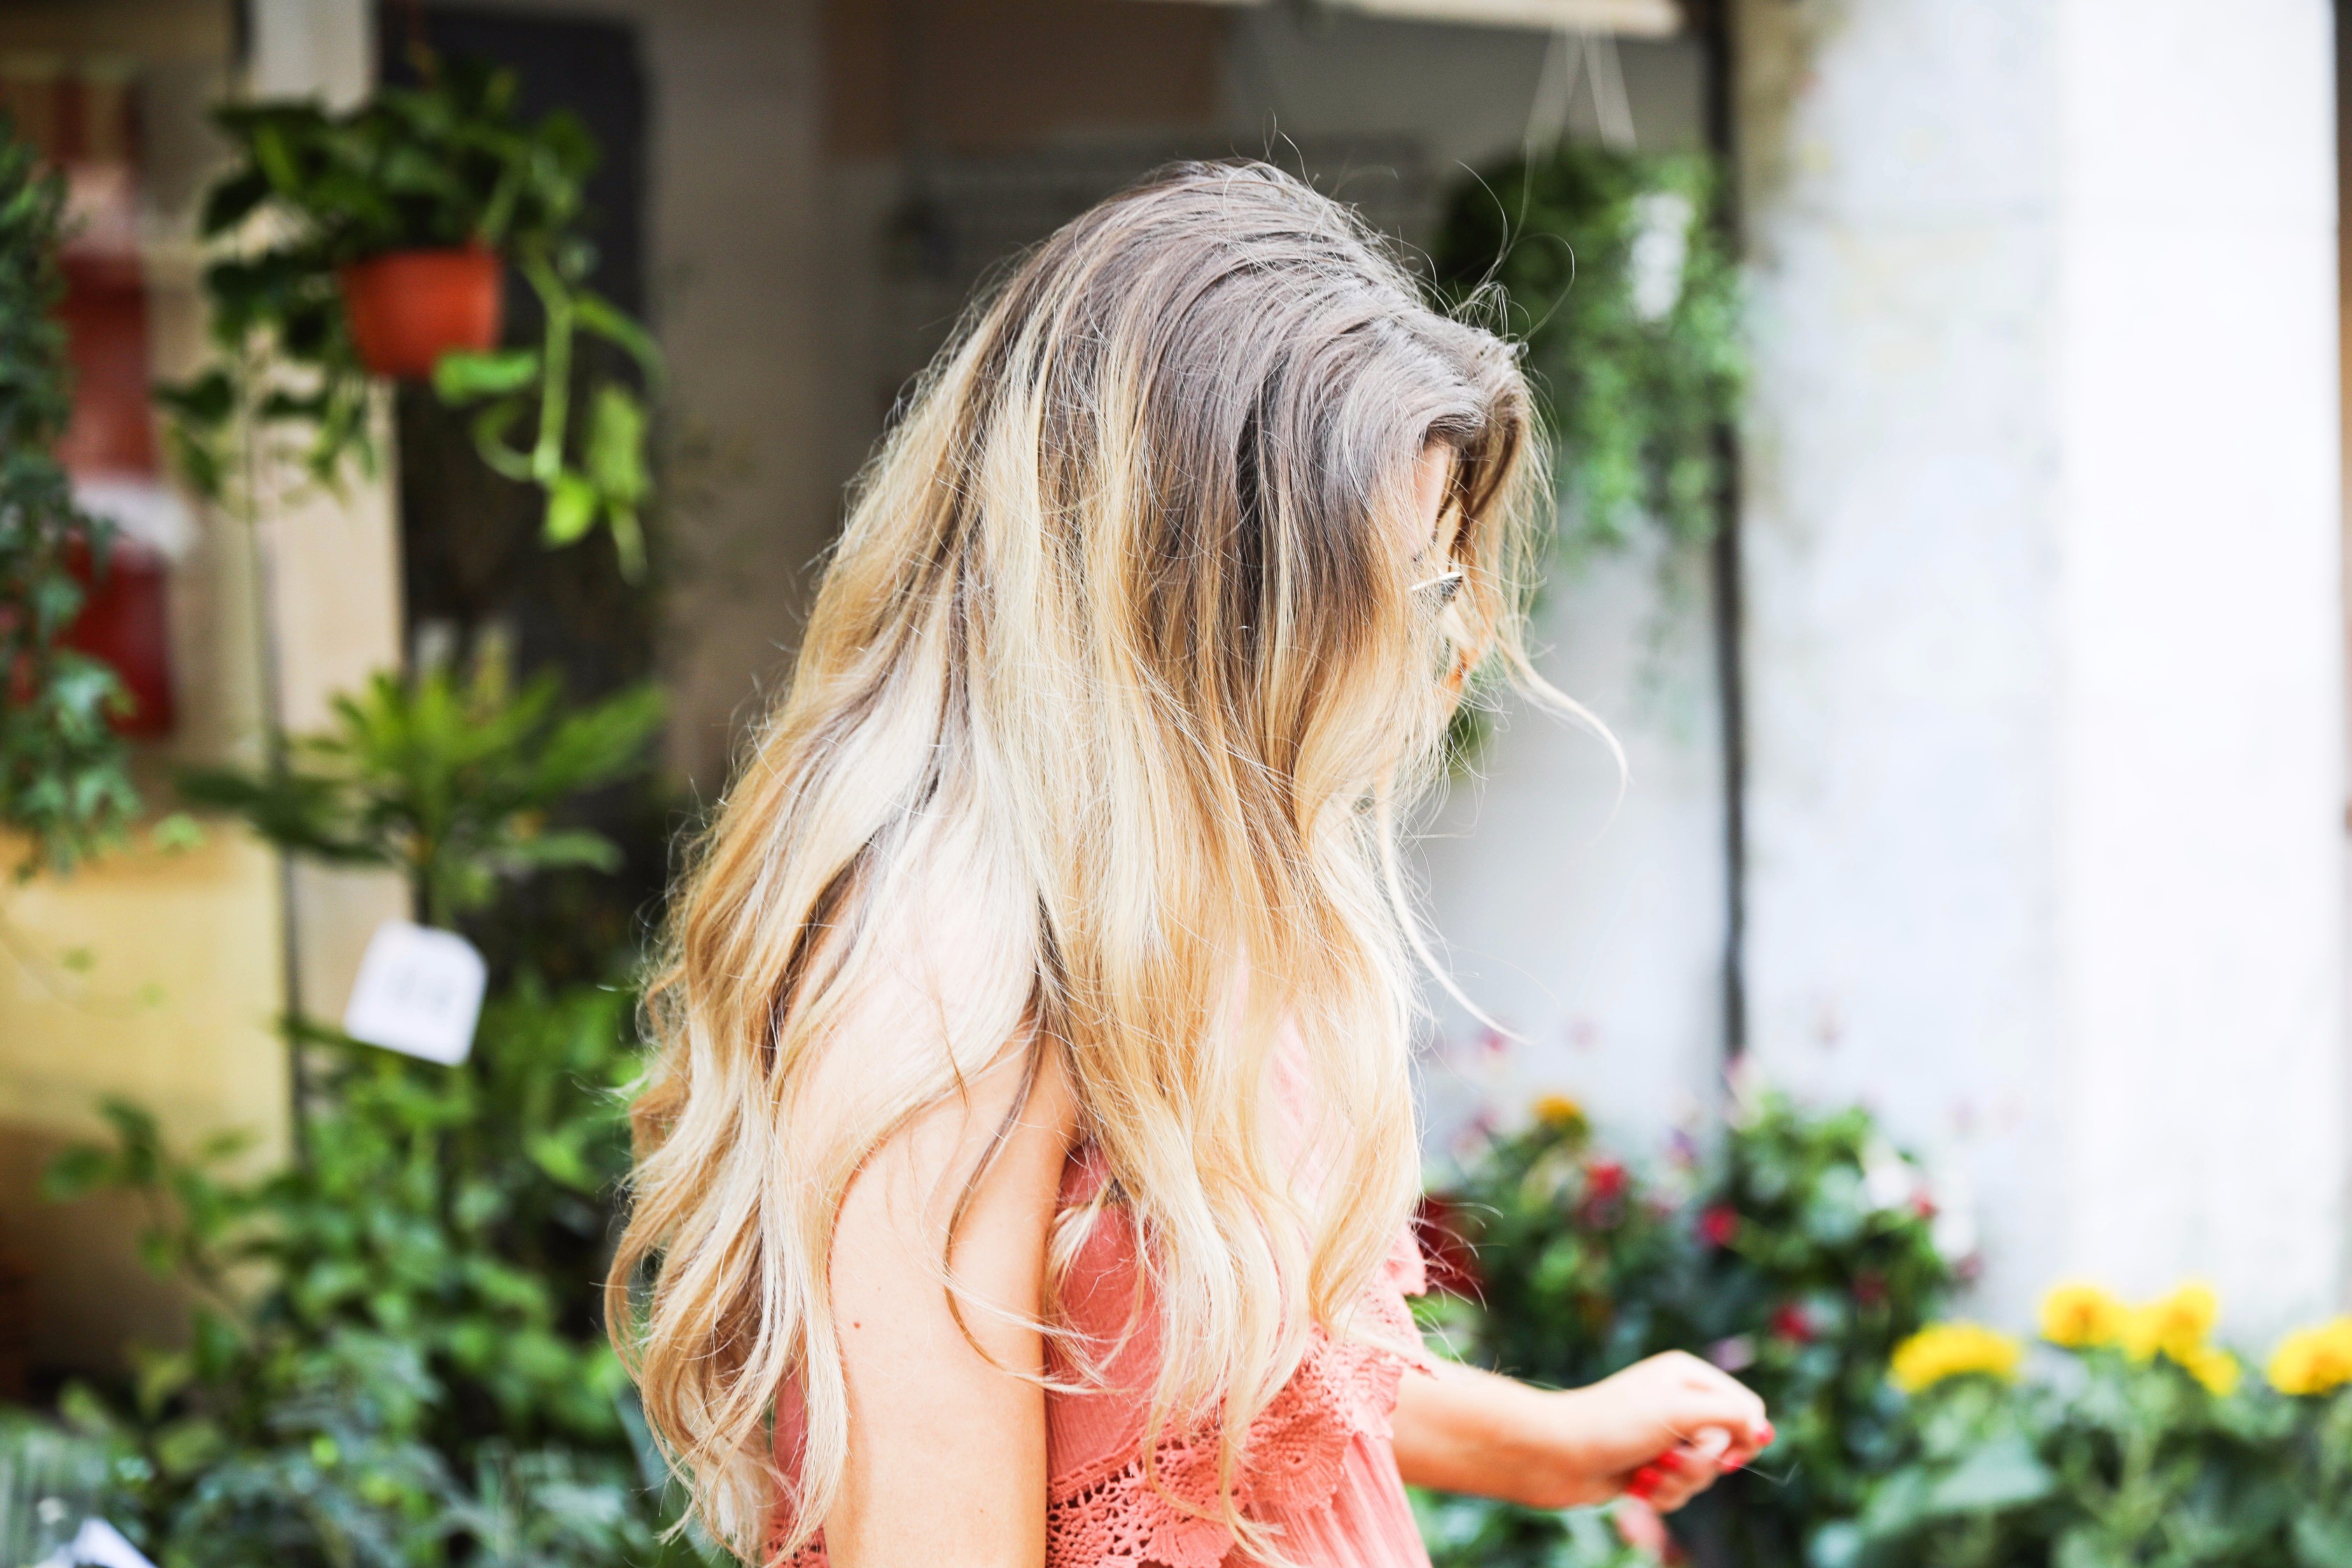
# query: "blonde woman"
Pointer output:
{"type": "Point", "coordinates": [1025, 1178]}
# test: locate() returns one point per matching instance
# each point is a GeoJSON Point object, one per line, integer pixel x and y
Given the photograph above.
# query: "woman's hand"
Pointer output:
{"type": "Point", "coordinates": [1662, 1430]}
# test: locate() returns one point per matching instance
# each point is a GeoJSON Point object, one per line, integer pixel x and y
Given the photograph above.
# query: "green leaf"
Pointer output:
{"type": "Point", "coordinates": [79, 1170]}
{"type": "Point", "coordinates": [2321, 1543]}
{"type": "Point", "coordinates": [571, 510]}
{"type": "Point", "coordinates": [462, 377]}
{"type": "Point", "coordinates": [616, 442]}
{"type": "Point", "coordinates": [176, 833]}
{"type": "Point", "coordinates": [601, 316]}
{"type": "Point", "coordinates": [2003, 1474]}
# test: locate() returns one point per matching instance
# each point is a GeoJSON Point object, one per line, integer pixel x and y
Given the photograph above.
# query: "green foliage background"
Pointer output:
{"type": "Point", "coordinates": [64, 784]}
{"type": "Point", "coordinates": [397, 1357]}
{"type": "Point", "coordinates": [1797, 1253]}
{"type": "Point", "coordinates": [448, 165]}
{"type": "Point", "coordinates": [1555, 250]}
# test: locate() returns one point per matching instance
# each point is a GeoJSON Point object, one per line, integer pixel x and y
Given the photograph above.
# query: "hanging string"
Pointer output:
{"type": "Point", "coordinates": [1572, 55]}
{"type": "Point", "coordinates": [1610, 107]}
{"type": "Point", "coordinates": [1555, 90]}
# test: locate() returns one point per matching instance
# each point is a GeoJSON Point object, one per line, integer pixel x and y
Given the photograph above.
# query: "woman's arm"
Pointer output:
{"type": "Point", "coordinates": [1467, 1430]}
{"type": "Point", "coordinates": [947, 1449]}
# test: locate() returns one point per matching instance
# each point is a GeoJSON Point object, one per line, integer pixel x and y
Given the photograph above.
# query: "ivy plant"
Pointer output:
{"type": "Point", "coordinates": [63, 780]}
{"type": "Point", "coordinates": [1610, 268]}
{"type": "Point", "coordinates": [449, 163]}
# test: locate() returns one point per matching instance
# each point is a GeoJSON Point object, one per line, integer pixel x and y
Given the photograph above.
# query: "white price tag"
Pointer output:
{"type": "Point", "coordinates": [97, 1544]}
{"type": "Point", "coordinates": [419, 992]}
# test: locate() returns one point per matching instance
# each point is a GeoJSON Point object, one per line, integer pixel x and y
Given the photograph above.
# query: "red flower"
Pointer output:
{"type": "Point", "coordinates": [1719, 1226]}
{"type": "Point", "coordinates": [1924, 1207]}
{"type": "Point", "coordinates": [1791, 1323]}
{"type": "Point", "coordinates": [1604, 1180]}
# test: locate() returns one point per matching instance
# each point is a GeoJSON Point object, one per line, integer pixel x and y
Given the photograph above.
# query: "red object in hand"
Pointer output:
{"type": "Point", "coordinates": [408, 307]}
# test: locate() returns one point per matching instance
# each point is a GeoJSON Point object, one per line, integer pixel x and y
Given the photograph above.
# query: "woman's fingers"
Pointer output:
{"type": "Point", "coordinates": [1712, 1399]}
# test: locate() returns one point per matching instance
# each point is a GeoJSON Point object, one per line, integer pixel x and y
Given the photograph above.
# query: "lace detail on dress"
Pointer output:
{"type": "Point", "coordinates": [1111, 1516]}
{"type": "Point", "coordinates": [1108, 1516]}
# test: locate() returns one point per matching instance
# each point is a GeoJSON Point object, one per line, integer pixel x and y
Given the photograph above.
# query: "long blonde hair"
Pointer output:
{"type": "Point", "coordinates": [1124, 622]}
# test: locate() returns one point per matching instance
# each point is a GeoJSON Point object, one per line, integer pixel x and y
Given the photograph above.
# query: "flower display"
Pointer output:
{"type": "Point", "coordinates": [1560, 1112]}
{"type": "Point", "coordinates": [1944, 1351]}
{"type": "Point", "coordinates": [2214, 1368]}
{"type": "Point", "coordinates": [2141, 1439]}
{"type": "Point", "coordinates": [1791, 1324]}
{"type": "Point", "coordinates": [2174, 1325]}
{"type": "Point", "coordinates": [2078, 1316]}
{"type": "Point", "coordinates": [2313, 1362]}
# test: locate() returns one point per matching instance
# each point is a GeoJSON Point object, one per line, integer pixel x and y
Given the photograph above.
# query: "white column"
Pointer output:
{"type": "Point", "coordinates": [335, 558]}
{"type": "Point", "coordinates": [2046, 630]}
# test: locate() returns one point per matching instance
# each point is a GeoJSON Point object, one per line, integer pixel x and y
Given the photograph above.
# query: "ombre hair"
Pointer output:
{"type": "Point", "coordinates": [1125, 641]}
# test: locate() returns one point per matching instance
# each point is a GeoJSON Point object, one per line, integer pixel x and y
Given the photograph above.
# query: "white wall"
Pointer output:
{"type": "Point", "coordinates": [1590, 927]}
{"type": "Point", "coordinates": [2043, 657]}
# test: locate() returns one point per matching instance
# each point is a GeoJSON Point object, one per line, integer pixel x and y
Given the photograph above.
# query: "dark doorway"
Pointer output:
{"type": "Point", "coordinates": [473, 566]}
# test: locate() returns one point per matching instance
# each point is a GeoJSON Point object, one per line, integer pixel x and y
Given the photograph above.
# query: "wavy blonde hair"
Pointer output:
{"type": "Point", "coordinates": [1125, 624]}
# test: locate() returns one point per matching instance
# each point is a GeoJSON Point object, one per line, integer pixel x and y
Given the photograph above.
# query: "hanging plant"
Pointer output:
{"type": "Point", "coordinates": [1610, 268]}
{"type": "Point", "coordinates": [63, 784]}
{"type": "Point", "coordinates": [388, 232]}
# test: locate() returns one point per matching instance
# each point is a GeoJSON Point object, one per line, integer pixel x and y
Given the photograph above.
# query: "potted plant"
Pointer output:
{"type": "Point", "coordinates": [1610, 266]}
{"type": "Point", "coordinates": [386, 234]}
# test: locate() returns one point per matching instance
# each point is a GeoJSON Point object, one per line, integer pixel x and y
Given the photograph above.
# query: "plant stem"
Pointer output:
{"type": "Point", "coordinates": [273, 730]}
{"type": "Point", "coordinates": [555, 371]}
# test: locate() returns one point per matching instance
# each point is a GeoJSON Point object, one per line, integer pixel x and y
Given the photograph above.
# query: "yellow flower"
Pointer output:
{"type": "Point", "coordinates": [1953, 1350]}
{"type": "Point", "coordinates": [2313, 1360]}
{"type": "Point", "coordinates": [2216, 1368]}
{"type": "Point", "coordinates": [1559, 1111]}
{"type": "Point", "coordinates": [2175, 1324]}
{"type": "Point", "coordinates": [2081, 1316]}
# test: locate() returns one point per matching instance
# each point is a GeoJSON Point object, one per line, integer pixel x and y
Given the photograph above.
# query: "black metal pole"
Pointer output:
{"type": "Point", "coordinates": [1714, 27]}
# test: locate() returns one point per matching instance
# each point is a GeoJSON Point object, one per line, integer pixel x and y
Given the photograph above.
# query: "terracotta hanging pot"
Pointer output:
{"type": "Point", "coordinates": [408, 307]}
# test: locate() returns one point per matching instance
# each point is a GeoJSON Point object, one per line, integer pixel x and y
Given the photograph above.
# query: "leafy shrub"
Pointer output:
{"type": "Point", "coordinates": [62, 778]}
{"type": "Point", "coordinates": [394, 1357]}
{"type": "Point", "coordinates": [2137, 1441]}
{"type": "Point", "coordinates": [1797, 1254]}
{"type": "Point", "coordinates": [451, 780]}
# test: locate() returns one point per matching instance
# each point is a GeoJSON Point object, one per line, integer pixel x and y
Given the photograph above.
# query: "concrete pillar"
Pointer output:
{"type": "Point", "coordinates": [2046, 630]}
{"type": "Point", "coordinates": [334, 558]}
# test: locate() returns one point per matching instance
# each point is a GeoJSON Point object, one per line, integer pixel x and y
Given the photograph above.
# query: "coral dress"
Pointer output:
{"type": "Point", "coordinates": [1319, 1470]}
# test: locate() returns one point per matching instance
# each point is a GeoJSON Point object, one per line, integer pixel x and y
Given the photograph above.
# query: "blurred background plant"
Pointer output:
{"type": "Point", "coordinates": [453, 779]}
{"type": "Point", "coordinates": [1798, 1253]}
{"type": "Point", "coordinates": [1610, 266]}
{"type": "Point", "coordinates": [396, 1354]}
{"type": "Point", "coordinates": [2135, 1439]}
{"type": "Point", "coordinates": [448, 165]}
{"type": "Point", "coordinates": [64, 780]}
